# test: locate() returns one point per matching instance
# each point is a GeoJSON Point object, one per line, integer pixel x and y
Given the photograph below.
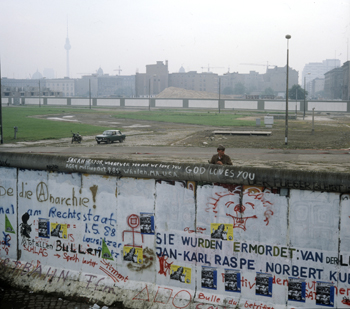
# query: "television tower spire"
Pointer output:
{"type": "Point", "coordinates": [67, 47]}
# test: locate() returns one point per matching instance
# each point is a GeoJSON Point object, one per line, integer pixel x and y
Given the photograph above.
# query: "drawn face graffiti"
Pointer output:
{"type": "Point", "coordinates": [241, 204]}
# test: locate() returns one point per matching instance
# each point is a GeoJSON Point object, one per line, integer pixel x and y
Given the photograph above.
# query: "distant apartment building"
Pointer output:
{"type": "Point", "coordinates": [104, 85]}
{"type": "Point", "coordinates": [17, 88]}
{"type": "Point", "coordinates": [333, 84]}
{"type": "Point", "coordinates": [115, 86]}
{"type": "Point", "coordinates": [316, 88]}
{"type": "Point", "coordinates": [255, 83]}
{"type": "Point", "coordinates": [314, 70]}
{"type": "Point", "coordinates": [154, 81]}
{"type": "Point", "coordinates": [64, 85]}
{"type": "Point", "coordinates": [21, 84]}
{"type": "Point", "coordinates": [276, 79]}
{"type": "Point", "coordinates": [157, 78]}
{"type": "Point", "coordinates": [87, 85]}
{"type": "Point", "coordinates": [251, 82]}
{"type": "Point", "coordinates": [192, 80]}
{"type": "Point", "coordinates": [336, 85]}
{"type": "Point", "coordinates": [346, 81]}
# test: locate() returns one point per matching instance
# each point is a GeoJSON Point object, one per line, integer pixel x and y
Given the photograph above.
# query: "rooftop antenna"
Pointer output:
{"type": "Point", "coordinates": [67, 47]}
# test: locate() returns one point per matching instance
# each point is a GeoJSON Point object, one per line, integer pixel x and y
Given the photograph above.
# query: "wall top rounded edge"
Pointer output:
{"type": "Point", "coordinates": [231, 174]}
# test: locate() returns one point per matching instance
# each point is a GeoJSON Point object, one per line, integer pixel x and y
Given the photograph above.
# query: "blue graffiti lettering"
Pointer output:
{"type": "Point", "coordinates": [7, 210]}
{"type": "Point", "coordinates": [316, 257]}
{"type": "Point", "coordinates": [233, 262]}
{"type": "Point", "coordinates": [73, 214]}
{"type": "Point", "coordinates": [303, 272]}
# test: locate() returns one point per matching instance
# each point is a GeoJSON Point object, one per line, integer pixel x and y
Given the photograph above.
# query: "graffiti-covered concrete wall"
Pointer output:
{"type": "Point", "coordinates": [151, 242]}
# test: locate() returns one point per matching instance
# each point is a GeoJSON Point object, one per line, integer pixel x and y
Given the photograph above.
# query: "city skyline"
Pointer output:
{"type": "Point", "coordinates": [197, 35]}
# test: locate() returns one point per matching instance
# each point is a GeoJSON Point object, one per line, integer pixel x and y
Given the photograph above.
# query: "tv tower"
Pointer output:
{"type": "Point", "coordinates": [67, 47]}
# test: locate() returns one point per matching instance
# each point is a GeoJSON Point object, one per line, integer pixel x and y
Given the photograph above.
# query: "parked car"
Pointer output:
{"type": "Point", "coordinates": [110, 136]}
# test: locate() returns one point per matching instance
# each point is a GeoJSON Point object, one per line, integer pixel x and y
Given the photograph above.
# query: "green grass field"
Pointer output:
{"type": "Point", "coordinates": [32, 129]}
{"type": "Point", "coordinates": [188, 117]}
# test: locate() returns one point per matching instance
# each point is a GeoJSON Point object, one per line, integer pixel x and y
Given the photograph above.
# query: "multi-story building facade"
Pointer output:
{"type": "Point", "coordinates": [346, 81]}
{"type": "Point", "coordinates": [317, 88]}
{"type": "Point", "coordinates": [314, 70]}
{"type": "Point", "coordinates": [276, 79]}
{"type": "Point", "coordinates": [17, 88]}
{"type": "Point", "coordinates": [105, 85]}
{"type": "Point", "coordinates": [154, 81]}
{"type": "Point", "coordinates": [255, 83]}
{"type": "Point", "coordinates": [333, 82]}
{"type": "Point", "coordinates": [119, 86]}
{"type": "Point", "coordinates": [251, 82]}
{"type": "Point", "coordinates": [64, 85]}
{"type": "Point", "coordinates": [87, 85]}
{"type": "Point", "coordinates": [192, 80]}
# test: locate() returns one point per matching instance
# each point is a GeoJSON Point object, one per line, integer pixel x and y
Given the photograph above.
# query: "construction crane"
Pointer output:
{"type": "Point", "coordinates": [119, 70]}
{"type": "Point", "coordinates": [209, 67]}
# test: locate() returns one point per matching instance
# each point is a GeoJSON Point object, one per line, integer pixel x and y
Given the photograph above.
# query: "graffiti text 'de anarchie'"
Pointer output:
{"type": "Point", "coordinates": [43, 194]}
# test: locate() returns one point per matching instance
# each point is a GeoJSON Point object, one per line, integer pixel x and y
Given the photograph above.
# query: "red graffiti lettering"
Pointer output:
{"type": "Point", "coordinates": [91, 262]}
{"type": "Point", "coordinates": [73, 258]}
{"type": "Point", "coordinates": [32, 249]}
{"type": "Point", "coordinates": [164, 266]}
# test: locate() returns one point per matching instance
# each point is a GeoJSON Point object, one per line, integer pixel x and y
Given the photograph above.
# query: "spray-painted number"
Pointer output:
{"type": "Point", "coordinates": [109, 230]}
{"type": "Point", "coordinates": [94, 228]}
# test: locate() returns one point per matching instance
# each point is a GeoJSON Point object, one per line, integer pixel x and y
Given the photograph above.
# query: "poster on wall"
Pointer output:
{"type": "Point", "coordinates": [296, 289]}
{"type": "Point", "coordinates": [147, 223]}
{"type": "Point", "coordinates": [263, 284]}
{"type": "Point", "coordinates": [44, 227]}
{"type": "Point", "coordinates": [221, 231]}
{"type": "Point", "coordinates": [209, 278]}
{"type": "Point", "coordinates": [59, 230]}
{"type": "Point", "coordinates": [180, 273]}
{"type": "Point", "coordinates": [232, 281]}
{"type": "Point", "coordinates": [324, 294]}
{"type": "Point", "coordinates": [133, 254]}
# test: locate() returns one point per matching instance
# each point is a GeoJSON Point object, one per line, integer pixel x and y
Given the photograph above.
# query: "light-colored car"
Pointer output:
{"type": "Point", "coordinates": [110, 136]}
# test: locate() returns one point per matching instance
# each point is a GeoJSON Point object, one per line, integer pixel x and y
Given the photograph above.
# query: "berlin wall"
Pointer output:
{"type": "Point", "coordinates": [168, 235]}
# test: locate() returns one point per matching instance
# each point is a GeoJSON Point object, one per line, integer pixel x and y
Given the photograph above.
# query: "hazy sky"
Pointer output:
{"type": "Point", "coordinates": [191, 33]}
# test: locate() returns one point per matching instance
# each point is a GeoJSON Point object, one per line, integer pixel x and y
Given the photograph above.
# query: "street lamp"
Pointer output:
{"type": "Point", "coordinates": [305, 94]}
{"type": "Point", "coordinates": [89, 93]}
{"type": "Point", "coordinates": [39, 95]}
{"type": "Point", "coordinates": [219, 92]}
{"type": "Point", "coordinates": [149, 94]}
{"type": "Point", "coordinates": [286, 135]}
